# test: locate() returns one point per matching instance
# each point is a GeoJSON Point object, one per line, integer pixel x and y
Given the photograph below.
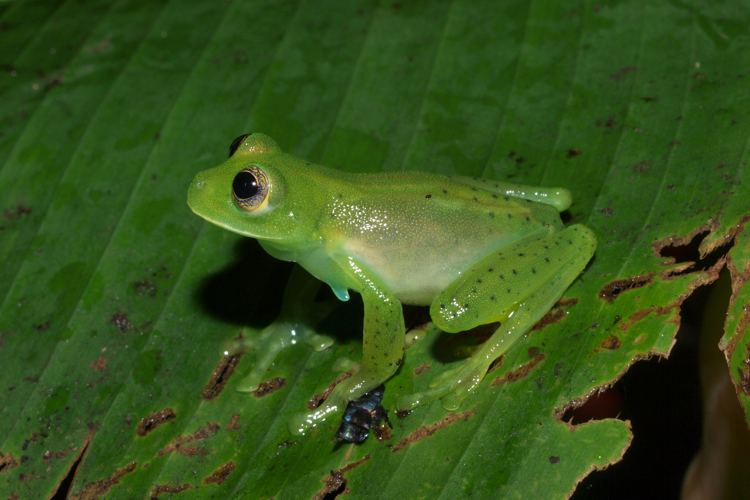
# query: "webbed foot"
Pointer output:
{"type": "Point", "coordinates": [451, 386]}
{"type": "Point", "coordinates": [348, 390]}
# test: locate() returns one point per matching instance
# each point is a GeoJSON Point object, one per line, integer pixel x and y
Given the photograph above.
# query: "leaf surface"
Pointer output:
{"type": "Point", "coordinates": [117, 303]}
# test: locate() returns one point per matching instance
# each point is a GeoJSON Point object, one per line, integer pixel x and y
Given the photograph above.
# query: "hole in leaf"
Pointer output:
{"type": "Point", "coordinates": [682, 249]}
{"type": "Point", "coordinates": [63, 489]}
{"type": "Point", "coordinates": [605, 404]}
{"type": "Point", "coordinates": [662, 400]}
{"type": "Point", "coordinates": [335, 486]}
{"type": "Point", "coordinates": [687, 250]}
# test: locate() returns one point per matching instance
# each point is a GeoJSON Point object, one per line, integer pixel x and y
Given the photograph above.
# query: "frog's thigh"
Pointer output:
{"type": "Point", "coordinates": [537, 269]}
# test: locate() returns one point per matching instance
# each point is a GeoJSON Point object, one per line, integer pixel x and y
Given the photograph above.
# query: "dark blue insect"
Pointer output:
{"type": "Point", "coordinates": [361, 415]}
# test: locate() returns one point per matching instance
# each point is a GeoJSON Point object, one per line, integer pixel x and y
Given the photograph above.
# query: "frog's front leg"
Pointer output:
{"type": "Point", "coordinates": [382, 346]}
{"type": "Point", "coordinates": [516, 287]}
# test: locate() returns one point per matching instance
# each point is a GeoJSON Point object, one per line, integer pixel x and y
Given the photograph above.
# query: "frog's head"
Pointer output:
{"type": "Point", "coordinates": [250, 194]}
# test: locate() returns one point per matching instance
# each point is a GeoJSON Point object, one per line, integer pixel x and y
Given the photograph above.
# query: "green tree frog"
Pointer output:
{"type": "Point", "coordinates": [476, 251]}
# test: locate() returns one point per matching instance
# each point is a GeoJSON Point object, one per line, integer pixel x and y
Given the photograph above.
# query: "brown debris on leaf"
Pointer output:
{"type": "Point", "coordinates": [421, 369]}
{"type": "Point", "coordinates": [555, 314]}
{"type": "Point", "coordinates": [99, 364]}
{"type": "Point", "coordinates": [219, 475]}
{"type": "Point", "coordinates": [402, 413]}
{"type": "Point", "coordinates": [609, 122]}
{"type": "Point", "coordinates": [383, 432]}
{"type": "Point", "coordinates": [622, 73]}
{"type": "Point", "coordinates": [611, 343]}
{"type": "Point", "coordinates": [161, 489]}
{"type": "Point", "coordinates": [660, 310]}
{"type": "Point", "coordinates": [335, 482]}
{"type": "Point", "coordinates": [614, 288]}
{"type": "Point", "coordinates": [49, 455]}
{"type": "Point", "coordinates": [97, 489]}
{"type": "Point", "coordinates": [154, 420]}
{"type": "Point", "coordinates": [179, 443]}
{"type": "Point", "coordinates": [519, 372]}
{"type": "Point", "coordinates": [121, 321]}
{"type": "Point", "coordinates": [145, 287]}
{"type": "Point", "coordinates": [744, 373]}
{"type": "Point", "coordinates": [43, 326]}
{"type": "Point", "coordinates": [268, 386]}
{"type": "Point", "coordinates": [7, 462]}
{"type": "Point", "coordinates": [18, 212]}
{"type": "Point", "coordinates": [234, 423]}
{"type": "Point", "coordinates": [220, 376]}
{"type": "Point", "coordinates": [429, 430]}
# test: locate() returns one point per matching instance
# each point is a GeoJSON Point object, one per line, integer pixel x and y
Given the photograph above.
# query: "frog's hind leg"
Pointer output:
{"type": "Point", "coordinates": [516, 286]}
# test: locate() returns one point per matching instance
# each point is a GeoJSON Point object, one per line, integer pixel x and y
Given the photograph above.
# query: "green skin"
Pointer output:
{"type": "Point", "coordinates": [476, 251]}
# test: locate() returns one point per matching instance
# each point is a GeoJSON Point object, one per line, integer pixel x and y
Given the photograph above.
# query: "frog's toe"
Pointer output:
{"type": "Point", "coordinates": [411, 401]}
{"type": "Point", "coordinates": [461, 382]}
{"type": "Point", "coordinates": [303, 422]}
{"type": "Point", "coordinates": [249, 383]}
{"type": "Point", "coordinates": [452, 387]}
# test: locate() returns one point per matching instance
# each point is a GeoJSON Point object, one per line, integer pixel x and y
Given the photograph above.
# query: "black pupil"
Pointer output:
{"type": "Point", "coordinates": [245, 185]}
{"type": "Point", "coordinates": [236, 143]}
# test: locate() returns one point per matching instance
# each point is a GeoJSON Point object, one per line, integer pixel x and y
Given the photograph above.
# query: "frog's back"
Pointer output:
{"type": "Point", "coordinates": [417, 232]}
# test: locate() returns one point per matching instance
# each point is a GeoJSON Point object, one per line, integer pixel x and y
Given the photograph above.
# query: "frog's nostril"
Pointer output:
{"type": "Point", "coordinates": [199, 181]}
{"type": "Point", "coordinates": [195, 191]}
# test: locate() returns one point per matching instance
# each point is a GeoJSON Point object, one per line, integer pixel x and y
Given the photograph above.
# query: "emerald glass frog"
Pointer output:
{"type": "Point", "coordinates": [476, 251]}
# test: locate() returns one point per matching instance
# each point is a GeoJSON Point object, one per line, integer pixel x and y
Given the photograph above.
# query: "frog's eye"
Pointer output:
{"type": "Point", "coordinates": [250, 189]}
{"type": "Point", "coordinates": [236, 143]}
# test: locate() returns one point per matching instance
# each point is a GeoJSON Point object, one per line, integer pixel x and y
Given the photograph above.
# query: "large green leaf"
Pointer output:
{"type": "Point", "coordinates": [117, 304]}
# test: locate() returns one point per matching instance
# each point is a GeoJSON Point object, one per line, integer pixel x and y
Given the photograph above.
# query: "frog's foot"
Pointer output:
{"type": "Point", "coordinates": [451, 386]}
{"type": "Point", "coordinates": [348, 390]}
{"type": "Point", "coordinates": [269, 343]}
